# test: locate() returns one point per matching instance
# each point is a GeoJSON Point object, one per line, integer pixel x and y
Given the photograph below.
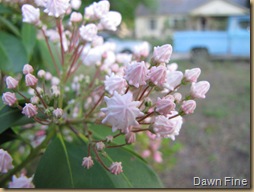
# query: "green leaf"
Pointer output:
{"type": "Point", "coordinates": [46, 57]}
{"type": "Point", "coordinates": [9, 25]}
{"type": "Point", "coordinates": [28, 33]}
{"type": "Point", "coordinates": [60, 167]}
{"type": "Point", "coordinates": [8, 116]}
{"type": "Point", "coordinates": [13, 48]}
{"type": "Point", "coordinates": [4, 61]}
{"type": "Point", "coordinates": [5, 10]}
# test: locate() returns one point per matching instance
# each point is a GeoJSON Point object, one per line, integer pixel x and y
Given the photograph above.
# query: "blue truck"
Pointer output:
{"type": "Point", "coordinates": [234, 42]}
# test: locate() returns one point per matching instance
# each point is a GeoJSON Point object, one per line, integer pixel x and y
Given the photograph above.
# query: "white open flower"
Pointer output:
{"type": "Point", "coordinates": [121, 111]}
{"type": "Point", "coordinates": [56, 7]}
{"type": "Point", "coordinates": [21, 182]}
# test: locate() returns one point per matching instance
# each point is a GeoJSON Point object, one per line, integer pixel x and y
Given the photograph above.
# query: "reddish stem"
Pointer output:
{"type": "Point", "coordinates": [59, 27]}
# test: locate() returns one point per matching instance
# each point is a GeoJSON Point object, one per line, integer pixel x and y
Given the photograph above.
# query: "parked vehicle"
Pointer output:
{"type": "Point", "coordinates": [234, 42]}
{"type": "Point", "coordinates": [124, 45]}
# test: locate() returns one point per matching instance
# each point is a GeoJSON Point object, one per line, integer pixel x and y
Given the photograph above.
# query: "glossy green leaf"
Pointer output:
{"type": "Point", "coordinates": [46, 57]}
{"type": "Point", "coordinates": [9, 25]}
{"type": "Point", "coordinates": [13, 48]}
{"type": "Point", "coordinates": [4, 61]}
{"type": "Point", "coordinates": [8, 116]}
{"type": "Point", "coordinates": [60, 167]}
{"type": "Point", "coordinates": [28, 33]}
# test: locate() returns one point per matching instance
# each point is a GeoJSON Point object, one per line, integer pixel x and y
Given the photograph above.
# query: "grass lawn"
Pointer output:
{"type": "Point", "coordinates": [215, 140]}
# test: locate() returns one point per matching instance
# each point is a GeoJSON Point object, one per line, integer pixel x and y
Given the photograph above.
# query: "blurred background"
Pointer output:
{"type": "Point", "coordinates": [213, 35]}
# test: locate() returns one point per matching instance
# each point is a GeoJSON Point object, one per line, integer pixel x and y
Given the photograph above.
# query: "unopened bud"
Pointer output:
{"type": "Point", "coordinates": [58, 113]}
{"type": "Point", "coordinates": [9, 98]}
{"type": "Point", "coordinates": [87, 162]}
{"type": "Point", "coordinates": [116, 168]}
{"type": "Point", "coordinates": [11, 83]}
{"type": "Point", "coordinates": [27, 69]}
{"type": "Point", "coordinates": [199, 89]}
{"type": "Point", "coordinates": [100, 146]}
{"type": "Point", "coordinates": [41, 73]}
{"type": "Point", "coordinates": [30, 110]}
{"type": "Point", "coordinates": [76, 17]}
{"type": "Point", "coordinates": [31, 80]}
{"type": "Point", "coordinates": [188, 106]}
{"type": "Point", "coordinates": [130, 138]}
{"type": "Point", "coordinates": [192, 75]}
{"type": "Point", "coordinates": [162, 54]}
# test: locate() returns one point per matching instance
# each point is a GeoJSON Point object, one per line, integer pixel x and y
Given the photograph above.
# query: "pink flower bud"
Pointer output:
{"type": "Point", "coordinates": [188, 106]}
{"type": "Point", "coordinates": [30, 14]}
{"type": "Point", "coordinates": [88, 32]}
{"type": "Point", "coordinates": [174, 79]}
{"type": "Point", "coordinates": [157, 157]}
{"type": "Point", "coordinates": [162, 54]}
{"type": "Point", "coordinates": [9, 98]}
{"type": "Point", "coordinates": [192, 75]}
{"type": "Point", "coordinates": [76, 17]}
{"type": "Point", "coordinates": [100, 146]}
{"type": "Point", "coordinates": [136, 73]}
{"type": "Point", "coordinates": [158, 75]}
{"type": "Point", "coordinates": [165, 105]}
{"type": "Point", "coordinates": [199, 89]}
{"type": "Point", "coordinates": [87, 162]}
{"type": "Point", "coordinates": [146, 153]}
{"type": "Point", "coordinates": [31, 80]}
{"type": "Point", "coordinates": [41, 73]}
{"type": "Point", "coordinates": [27, 69]}
{"type": "Point", "coordinates": [58, 113]}
{"type": "Point", "coordinates": [56, 7]}
{"type": "Point", "coordinates": [5, 161]}
{"type": "Point", "coordinates": [55, 81]}
{"type": "Point", "coordinates": [110, 21]}
{"type": "Point", "coordinates": [21, 182]}
{"type": "Point", "coordinates": [116, 168]}
{"type": "Point", "coordinates": [30, 110]}
{"type": "Point", "coordinates": [11, 83]}
{"type": "Point", "coordinates": [167, 128]}
{"type": "Point", "coordinates": [115, 83]}
{"type": "Point", "coordinates": [48, 76]}
{"type": "Point", "coordinates": [130, 138]}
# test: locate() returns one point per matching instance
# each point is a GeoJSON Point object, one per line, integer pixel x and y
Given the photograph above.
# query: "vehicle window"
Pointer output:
{"type": "Point", "coordinates": [244, 24]}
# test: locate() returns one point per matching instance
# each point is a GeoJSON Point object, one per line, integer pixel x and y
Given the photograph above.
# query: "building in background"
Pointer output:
{"type": "Point", "coordinates": [176, 15]}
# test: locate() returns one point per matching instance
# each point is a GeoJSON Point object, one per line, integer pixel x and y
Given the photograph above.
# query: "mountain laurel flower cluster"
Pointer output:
{"type": "Point", "coordinates": [90, 86]}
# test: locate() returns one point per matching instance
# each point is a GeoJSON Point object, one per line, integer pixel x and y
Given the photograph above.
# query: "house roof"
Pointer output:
{"type": "Point", "coordinates": [164, 7]}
